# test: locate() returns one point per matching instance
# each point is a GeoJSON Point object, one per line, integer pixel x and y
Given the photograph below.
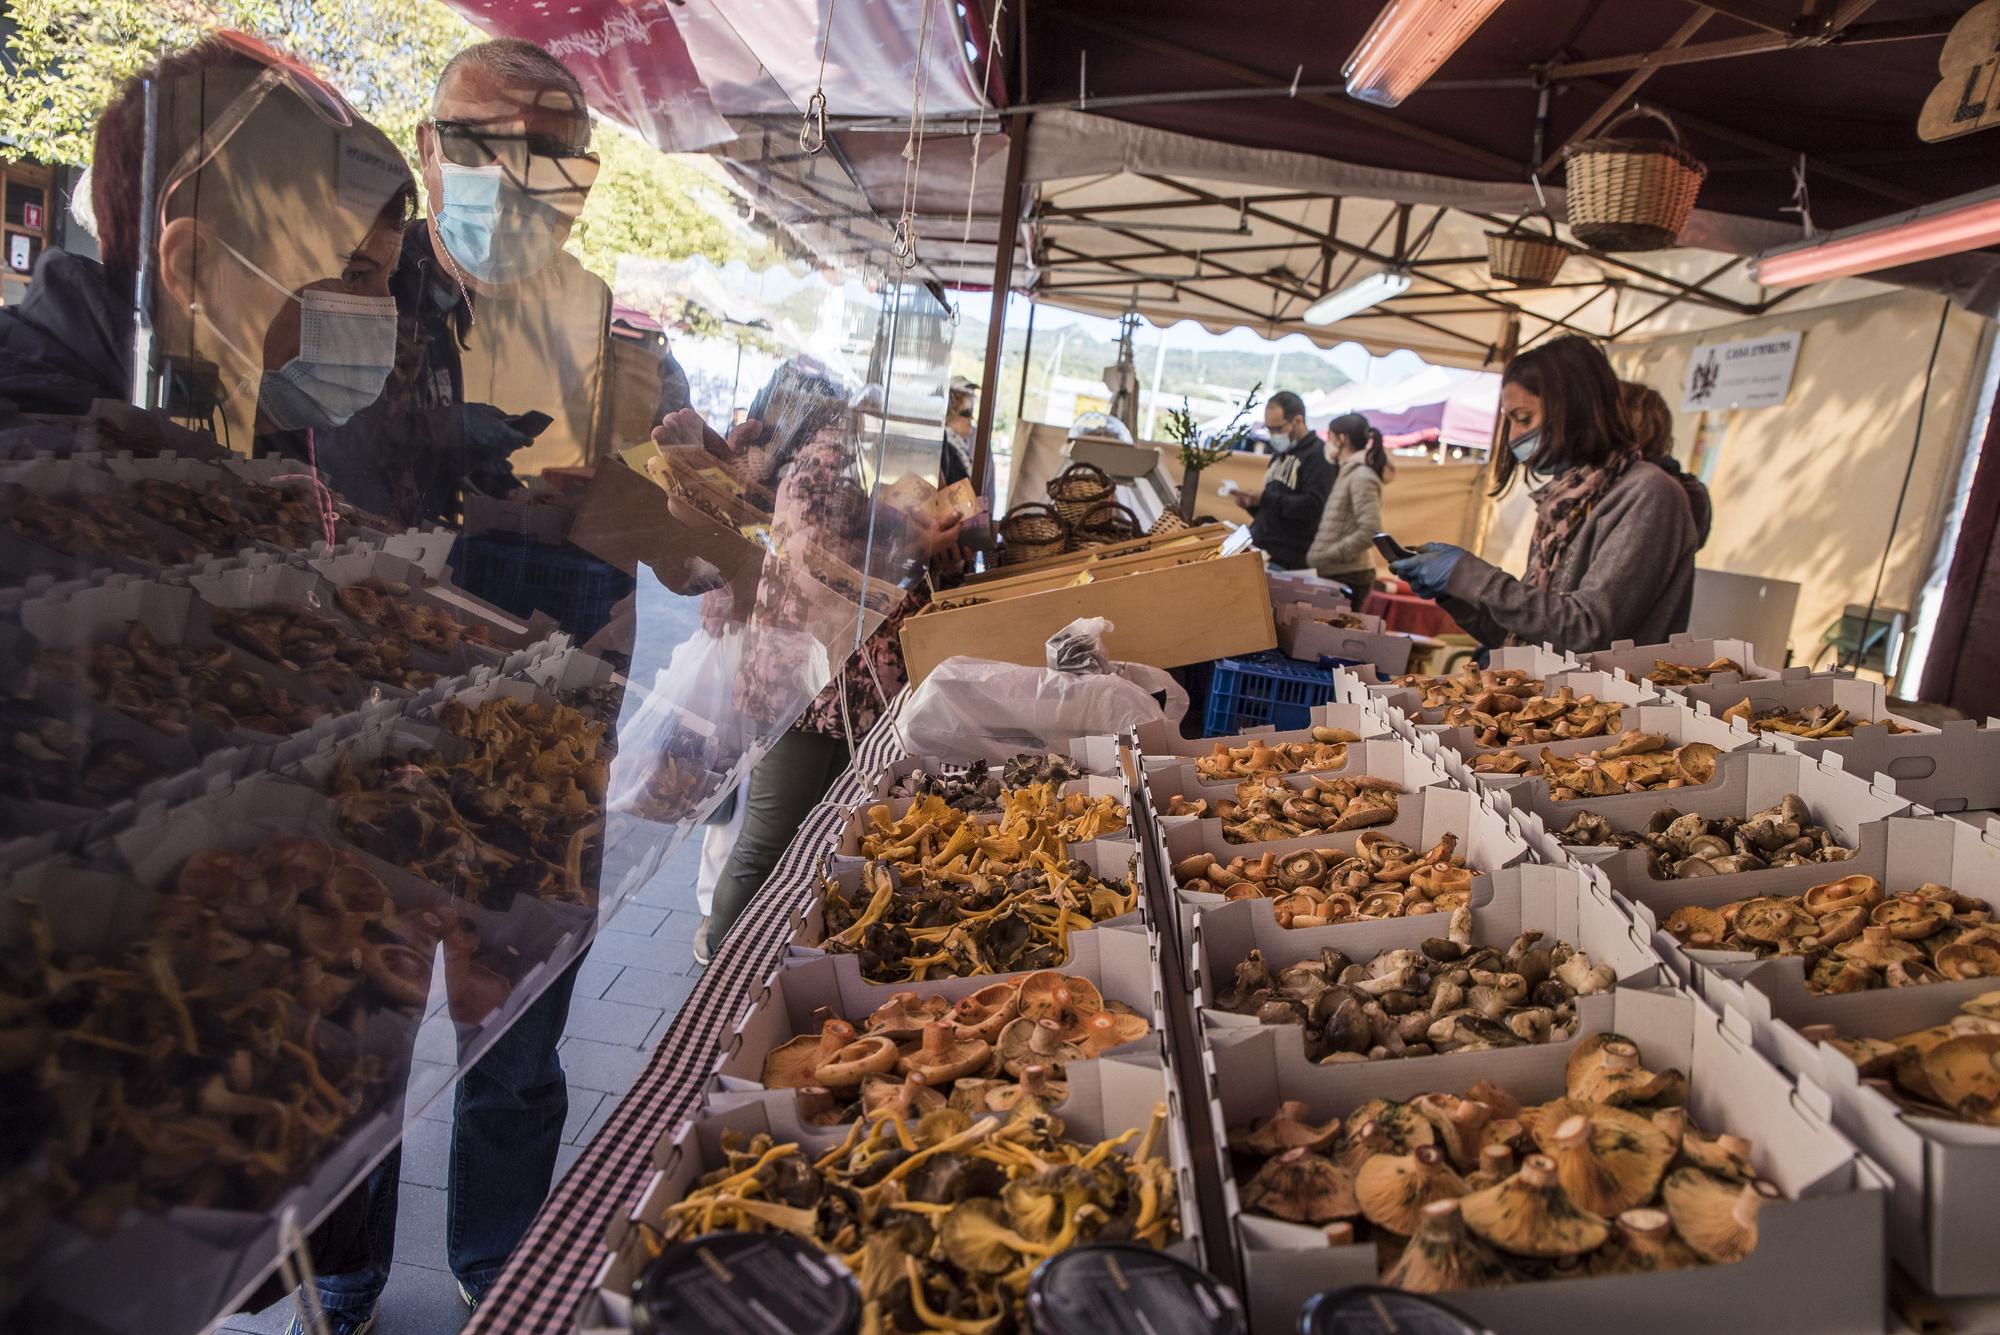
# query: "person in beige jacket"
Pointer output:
{"type": "Point", "coordinates": [1344, 548]}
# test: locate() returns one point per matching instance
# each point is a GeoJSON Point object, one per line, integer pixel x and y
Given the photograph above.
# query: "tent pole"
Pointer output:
{"type": "Point", "coordinates": [1003, 277]}
{"type": "Point", "coordinates": [1027, 358]}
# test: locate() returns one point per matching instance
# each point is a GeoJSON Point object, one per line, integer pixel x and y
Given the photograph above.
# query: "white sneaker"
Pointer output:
{"type": "Point", "coordinates": [702, 953]}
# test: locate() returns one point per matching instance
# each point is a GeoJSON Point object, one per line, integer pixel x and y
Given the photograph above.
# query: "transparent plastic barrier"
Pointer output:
{"type": "Point", "coordinates": [296, 823]}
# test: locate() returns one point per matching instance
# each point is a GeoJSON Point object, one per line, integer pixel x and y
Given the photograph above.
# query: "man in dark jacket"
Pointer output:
{"type": "Point", "coordinates": [1295, 485]}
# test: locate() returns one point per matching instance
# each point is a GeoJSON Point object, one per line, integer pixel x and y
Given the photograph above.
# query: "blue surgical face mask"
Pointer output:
{"type": "Point", "coordinates": [347, 347]}
{"type": "Point", "coordinates": [1524, 445]}
{"type": "Point", "coordinates": [493, 229]}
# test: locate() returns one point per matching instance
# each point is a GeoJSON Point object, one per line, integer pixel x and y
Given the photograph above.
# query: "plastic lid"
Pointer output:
{"type": "Point", "coordinates": [1119, 1288]}
{"type": "Point", "coordinates": [746, 1284]}
{"type": "Point", "coordinates": [1370, 1309]}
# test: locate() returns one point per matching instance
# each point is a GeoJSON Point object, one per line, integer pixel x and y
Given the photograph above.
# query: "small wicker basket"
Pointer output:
{"type": "Point", "coordinates": [1032, 532]}
{"type": "Point", "coordinates": [1078, 489]}
{"type": "Point", "coordinates": [1516, 255]}
{"type": "Point", "coordinates": [1632, 194]}
{"type": "Point", "coordinates": [1106, 522]}
{"type": "Point", "coordinates": [1170, 521]}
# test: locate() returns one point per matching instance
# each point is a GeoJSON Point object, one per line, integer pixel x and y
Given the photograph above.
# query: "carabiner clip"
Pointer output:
{"type": "Point", "coordinates": [902, 245]}
{"type": "Point", "coordinates": [812, 131]}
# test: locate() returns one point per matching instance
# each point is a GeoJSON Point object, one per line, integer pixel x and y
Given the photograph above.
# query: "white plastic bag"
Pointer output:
{"type": "Point", "coordinates": [1079, 646]}
{"type": "Point", "coordinates": [973, 708]}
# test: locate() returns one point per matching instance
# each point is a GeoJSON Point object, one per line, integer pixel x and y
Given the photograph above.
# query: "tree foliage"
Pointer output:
{"type": "Point", "coordinates": [651, 205]}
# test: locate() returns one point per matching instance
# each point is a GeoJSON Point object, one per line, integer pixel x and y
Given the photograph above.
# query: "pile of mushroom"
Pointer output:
{"type": "Point", "coordinates": [1446, 996]}
{"type": "Point", "coordinates": [1486, 689]}
{"type": "Point", "coordinates": [1337, 620]}
{"type": "Point", "coordinates": [51, 759]}
{"type": "Point", "coordinates": [1039, 767]}
{"type": "Point", "coordinates": [1315, 887]}
{"type": "Point", "coordinates": [1853, 936]}
{"type": "Point", "coordinates": [169, 686]}
{"type": "Point", "coordinates": [1946, 1070]}
{"type": "Point", "coordinates": [320, 649]}
{"type": "Point", "coordinates": [1529, 720]}
{"type": "Point", "coordinates": [1637, 762]}
{"type": "Point", "coordinates": [1270, 808]}
{"type": "Point", "coordinates": [215, 1061]}
{"type": "Point", "coordinates": [83, 524]}
{"type": "Point", "coordinates": [931, 835]}
{"type": "Point", "coordinates": [1682, 846]}
{"type": "Point", "coordinates": [1812, 722]}
{"type": "Point", "coordinates": [521, 811]}
{"type": "Point", "coordinates": [982, 1054]}
{"type": "Point", "coordinates": [956, 922]}
{"type": "Point", "coordinates": [943, 1217]}
{"type": "Point", "coordinates": [1326, 750]}
{"type": "Point", "coordinates": [386, 605]}
{"type": "Point", "coordinates": [223, 521]}
{"type": "Point", "coordinates": [978, 789]}
{"type": "Point", "coordinates": [1669, 674]}
{"type": "Point", "coordinates": [1479, 1191]}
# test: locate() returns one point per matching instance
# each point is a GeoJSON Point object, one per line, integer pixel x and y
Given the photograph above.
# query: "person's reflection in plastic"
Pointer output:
{"type": "Point", "coordinates": [280, 212]}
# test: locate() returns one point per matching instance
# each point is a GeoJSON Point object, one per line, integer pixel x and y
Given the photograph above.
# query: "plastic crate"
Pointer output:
{"type": "Point", "coordinates": [523, 576]}
{"type": "Point", "coordinates": [1262, 689]}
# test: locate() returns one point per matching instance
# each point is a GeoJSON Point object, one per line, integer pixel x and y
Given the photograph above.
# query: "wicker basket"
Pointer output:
{"type": "Point", "coordinates": [1632, 194]}
{"type": "Point", "coordinates": [1079, 489]}
{"type": "Point", "coordinates": [1170, 521]}
{"type": "Point", "coordinates": [1031, 532]}
{"type": "Point", "coordinates": [1106, 522]}
{"type": "Point", "coordinates": [1516, 255]}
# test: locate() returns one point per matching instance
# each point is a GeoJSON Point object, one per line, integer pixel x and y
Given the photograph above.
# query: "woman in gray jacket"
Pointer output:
{"type": "Point", "coordinates": [1612, 556]}
{"type": "Point", "coordinates": [1344, 549]}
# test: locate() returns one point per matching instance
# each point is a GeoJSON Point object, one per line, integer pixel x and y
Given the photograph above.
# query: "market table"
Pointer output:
{"type": "Point", "coordinates": [1408, 612]}
{"type": "Point", "coordinates": [550, 1272]}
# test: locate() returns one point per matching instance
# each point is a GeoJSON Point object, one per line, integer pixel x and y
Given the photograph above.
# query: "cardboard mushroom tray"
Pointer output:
{"type": "Point", "coordinates": [1563, 904]}
{"type": "Point", "coordinates": [1309, 640]}
{"type": "Point", "coordinates": [847, 847]}
{"type": "Point", "coordinates": [882, 787]}
{"type": "Point", "coordinates": [1459, 751]}
{"type": "Point", "coordinates": [485, 632]}
{"type": "Point", "coordinates": [1160, 747]}
{"type": "Point", "coordinates": [1953, 770]}
{"type": "Point", "coordinates": [1640, 661]}
{"type": "Point", "coordinates": [1620, 693]}
{"type": "Point", "coordinates": [1120, 962]}
{"type": "Point", "coordinates": [1107, 1098]}
{"type": "Point", "coordinates": [111, 537]}
{"type": "Point", "coordinates": [1863, 703]}
{"type": "Point", "coordinates": [1388, 758]}
{"type": "Point", "coordinates": [1485, 839]}
{"type": "Point", "coordinates": [1816, 1269]}
{"type": "Point", "coordinates": [1363, 683]}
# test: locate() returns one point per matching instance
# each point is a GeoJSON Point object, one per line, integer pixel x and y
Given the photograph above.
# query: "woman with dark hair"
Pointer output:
{"type": "Point", "coordinates": [1612, 556]}
{"type": "Point", "coordinates": [1344, 549]}
{"type": "Point", "coordinates": [1652, 425]}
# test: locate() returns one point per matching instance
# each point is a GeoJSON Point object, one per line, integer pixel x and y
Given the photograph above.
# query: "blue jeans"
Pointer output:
{"type": "Point", "coordinates": [507, 1120]}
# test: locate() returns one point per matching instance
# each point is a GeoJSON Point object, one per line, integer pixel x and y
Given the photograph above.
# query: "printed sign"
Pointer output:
{"type": "Point", "coordinates": [31, 217]}
{"type": "Point", "coordinates": [20, 253]}
{"type": "Point", "coordinates": [1967, 96]}
{"type": "Point", "coordinates": [1748, 373]}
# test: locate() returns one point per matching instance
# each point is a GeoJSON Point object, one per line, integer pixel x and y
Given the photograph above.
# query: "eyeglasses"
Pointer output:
{"type": "Point", "coordinates": [540, 164]}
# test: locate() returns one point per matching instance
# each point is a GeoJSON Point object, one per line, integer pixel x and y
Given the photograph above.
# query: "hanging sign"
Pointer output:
{"type": "Point", "coordinates": [1967, 96]}
{"type": "Point", "coordinates": [1748, 373]}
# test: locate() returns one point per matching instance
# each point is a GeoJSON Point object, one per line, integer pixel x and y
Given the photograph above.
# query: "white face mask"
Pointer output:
{"type": "Point", "coordinates": [1281, 442]}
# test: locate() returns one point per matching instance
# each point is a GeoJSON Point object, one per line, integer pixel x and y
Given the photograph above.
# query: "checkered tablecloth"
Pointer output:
{"type": "Point", "coordinates": [550, 1272]}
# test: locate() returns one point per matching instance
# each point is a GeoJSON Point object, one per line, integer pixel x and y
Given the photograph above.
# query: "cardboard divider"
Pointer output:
{"type": "Point", "coordinates": [1107, 1097]}
{"type": "Point", "coordinates": [1291, 612]}
{"type": "Point", "coordinates": [1563, 903]}
{"type": "Point", "coordinates": [1953, 769]}
{"type": "Point", "coordinates": [1816, 1269]}
{"type": "Point", "coordinates": [847, 847]}
{"type": "Point", "coordinates": [1637, 661]}
{"type": "Point", "coordinates": [1122, 962]}
{"type": "Point", "coordinates": [1487, 840]}
{"type": "Point", "coordinates": [1389, 758]}
{"type": "Point", "coordinates": [1457, 748]}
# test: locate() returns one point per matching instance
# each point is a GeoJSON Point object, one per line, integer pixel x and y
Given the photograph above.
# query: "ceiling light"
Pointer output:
{"type": "Point", "coordinates": [1371, 291]}
{"type": "Point", "coordinates": [1945, 228]}
{"type": "Point", "coordinates": [1407, 42]}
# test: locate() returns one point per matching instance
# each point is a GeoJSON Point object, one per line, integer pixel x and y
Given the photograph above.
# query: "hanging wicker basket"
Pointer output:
{"type": "Point", "coordinates": [1632, 194]}
{"type": "Point", "coordinates": [1516, 255]}
{"type": "Point", "coordinates": [1107, 522]}
{"type": "Point", "coordinates": [1078, 489]}
{"type": "Point", "coordinates": [1032, 532]}
{"type": "Point", "coordinates": [1170, 521]}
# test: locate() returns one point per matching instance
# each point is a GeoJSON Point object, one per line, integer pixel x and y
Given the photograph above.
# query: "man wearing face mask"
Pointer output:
{"type": "Point", "coordinates": [1296, 484]}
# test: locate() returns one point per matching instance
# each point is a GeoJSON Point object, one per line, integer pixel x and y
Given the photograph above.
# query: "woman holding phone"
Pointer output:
{"type": "Point", "coordinates": [1612, 557]}
{"type": "Point", "coordinates": [1343, 549]}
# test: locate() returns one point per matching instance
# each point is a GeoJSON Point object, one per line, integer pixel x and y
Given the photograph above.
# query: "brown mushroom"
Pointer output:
{"type": "Point", "coordinates": [1027, 1042]}
{"type": "Point", "coordinates": [1443, 1255]}
{"type": "Point", "coordinates": [1531, 1215]}
{"type": "Point", "coordinates": [1717, 1218]}
{"type": "Point", "coordinates": [1104, 1030]}
{"type": "Point", "coordinates": [1642, 1242]}
{"type": "Point", "coordinates": [909, 1098]}
{"type": "Point", "coordinates": [985, 1013]}
{"type": "Point", "coordinates": [905, 1015]}
{"type": "Point", "coordinates": [1302, 1187]}
{"type": "Point", "coordinates": [1050, 994]}
{"type": "Point", "coordinates": [943, 1056]}
{"type": "Point", "coordinates": [791, 1064]}
{"type": "Point", "coordinates": [856, 1061]}
{"type": "Point", "coordinates": [1965, 1073]}
{"type": "Point", "coordinates": [1877, 948]}
{"type": "Point", "coordinates": [1856, 891]}
{"type": "Point", "coordinates": [1393, 1188]}
{"type": "Point", "coordinates": [1970, 957]}
{"type": "Point", "coordinates": [1607, 1159]}
{"type": "Point", "coordinates": [1286, 1129]}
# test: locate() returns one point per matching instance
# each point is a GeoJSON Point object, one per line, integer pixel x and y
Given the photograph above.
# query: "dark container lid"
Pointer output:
{"type": "Point", "coordinates": [1119, 1288]}
{"type": "Point", "coordinates": [746, 1284]}
{"type": "Point", "coordinates": [1371, 1309]}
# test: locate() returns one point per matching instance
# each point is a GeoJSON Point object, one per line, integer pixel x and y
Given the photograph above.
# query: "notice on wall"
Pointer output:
{"type": "Point", "coordinates": [1748, 373]}
{"type": "Point", "coordinates": [20, 253]}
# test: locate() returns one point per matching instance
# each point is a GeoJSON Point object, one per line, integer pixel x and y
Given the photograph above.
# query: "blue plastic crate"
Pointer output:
{"type": "Point", "coordinates": [1262, 689]}
{"type": "Point", "coordinates": [523, 576]}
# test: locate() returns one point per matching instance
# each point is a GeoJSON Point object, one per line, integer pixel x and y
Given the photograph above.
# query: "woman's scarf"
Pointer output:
{"type": "Point", "coordinates": [1560, 510]}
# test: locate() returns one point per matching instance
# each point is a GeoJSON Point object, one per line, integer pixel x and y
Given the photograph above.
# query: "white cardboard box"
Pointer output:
{"type": "Point", "coordinates": [1818, 1266]}
{"type": "Point", "coordinates": [1795, 689]}
{"type": "Point", "coordinates": [1388, 758]}
{"type": "Point", "coordinates": [1357, 684]}
{"type": "Point", "coordinates": [1309, 641]}
{"type": "Point", "coordinates": [1160, 747]}
{"type": "Point", "coordinates": [1290, 610]}
{"type": "Point", "coordinates": [1953, 769]}
{"type": "Point", "coordinates": [1638, 660]}
{"type": "Point", "coordinates": [847, 848]}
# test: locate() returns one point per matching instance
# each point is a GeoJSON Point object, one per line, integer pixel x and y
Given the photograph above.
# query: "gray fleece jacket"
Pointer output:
{"type": "Point", "coordinates": [1629, 575]}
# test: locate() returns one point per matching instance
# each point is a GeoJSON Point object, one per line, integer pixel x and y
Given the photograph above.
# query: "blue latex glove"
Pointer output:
{"type": "Point", "coordinates": [1427, 570]}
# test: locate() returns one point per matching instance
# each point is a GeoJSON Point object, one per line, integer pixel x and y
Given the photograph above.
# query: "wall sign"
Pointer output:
{"type": "Point", "coordinates": [31, 217]}
{"type": "Point", "coordinates": [20, 253]}
{"type": "Point", "coordinates": [1748, 373]}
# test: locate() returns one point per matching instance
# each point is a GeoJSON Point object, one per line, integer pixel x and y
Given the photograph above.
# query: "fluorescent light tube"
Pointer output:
{"type": "Point", "coordinates": [1405, 45]}
{"type": "Point", "coordinates": [1370, 291]}
{"type": "Point", "coordinates": [1945, 228]}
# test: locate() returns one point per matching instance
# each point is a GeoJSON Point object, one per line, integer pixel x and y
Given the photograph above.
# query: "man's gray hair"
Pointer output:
{"type": "Point", "coordinates": [512, 61]}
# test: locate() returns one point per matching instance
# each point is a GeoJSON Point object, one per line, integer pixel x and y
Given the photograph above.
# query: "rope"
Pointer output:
{"type": "Point", "coordinates": [903, 245]}
{"type": "Point", "coordinates": [978, 133]}
{"type": "Point", "coordinates": [812, 132]}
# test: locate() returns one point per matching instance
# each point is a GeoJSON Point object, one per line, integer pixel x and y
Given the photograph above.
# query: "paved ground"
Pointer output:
{"type": "Point", "coordinates": [639, 972]}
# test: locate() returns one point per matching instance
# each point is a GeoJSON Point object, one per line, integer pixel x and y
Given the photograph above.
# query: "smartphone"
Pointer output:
{"type": "Point", "coordinates": [1391, 549]}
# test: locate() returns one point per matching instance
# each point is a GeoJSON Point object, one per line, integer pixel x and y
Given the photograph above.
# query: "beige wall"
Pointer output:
{"type": "Point", "coordinates": [1805, 491]}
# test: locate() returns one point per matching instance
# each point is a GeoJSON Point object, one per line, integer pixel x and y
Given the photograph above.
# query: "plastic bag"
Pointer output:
{"type": "Point", "coordinates": [682, 731]}
{"type": "Point", "coordinates": [973, 708]}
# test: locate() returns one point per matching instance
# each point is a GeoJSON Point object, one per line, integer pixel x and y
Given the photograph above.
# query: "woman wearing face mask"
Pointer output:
{"type": "Point", "coordinates": [1612, 557]}
{"type": "Point", "coordinates": [1344, 548]}
{"type": "Point", "coordinates": [270, 304]}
